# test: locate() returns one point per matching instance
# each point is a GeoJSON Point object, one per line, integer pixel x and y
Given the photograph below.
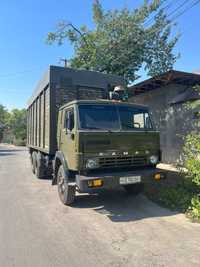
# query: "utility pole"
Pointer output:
{"type": "Point", "coordinates": [65, 61]}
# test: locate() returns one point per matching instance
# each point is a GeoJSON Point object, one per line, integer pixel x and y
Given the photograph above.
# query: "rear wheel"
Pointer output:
{"type": "Point", "coordinates": [66, 192]}
{"type": "Point", "coordinates": [33, 163]}
{"type": "Point", "coordinates": [39, 166]}
{"type": "Point", "coordinates": [134, 189]}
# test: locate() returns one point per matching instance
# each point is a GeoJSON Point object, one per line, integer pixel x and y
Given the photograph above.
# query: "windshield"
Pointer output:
{"type": "Point", "coordinates": [134, 118]}
{"type": "Point", "coordinates": [113, 117]}
{"type": "Point", "coordinates": [99, 117]}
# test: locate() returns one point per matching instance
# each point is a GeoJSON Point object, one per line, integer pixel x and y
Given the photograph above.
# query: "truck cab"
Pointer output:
{"type": "Point", "coordinates": [104, 144]}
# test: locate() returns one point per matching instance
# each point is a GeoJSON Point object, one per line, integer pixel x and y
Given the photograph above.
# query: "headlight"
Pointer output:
{"type": "Point", "coordinates": [91, 163]}
{"type": "Point", "coordinates": [153, 159]}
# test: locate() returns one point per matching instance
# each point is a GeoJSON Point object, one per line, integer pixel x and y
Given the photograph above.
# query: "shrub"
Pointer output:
{"type": "Point", "coordinates": [192, 164]}
{"type": "Point", "coordinates": [194, 209]}
{"type": "Point", "coordinates": [192, 157]}
{"type": "Point", "coordinates": [177, 198]}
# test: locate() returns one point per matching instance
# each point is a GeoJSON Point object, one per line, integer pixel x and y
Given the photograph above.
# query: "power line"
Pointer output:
{"type": "Point", "coordinates": [185, 10]}
{"type": "Point", "coordinates": [148, 22]}
{"type": "Point", "coordinates": [179, 7]}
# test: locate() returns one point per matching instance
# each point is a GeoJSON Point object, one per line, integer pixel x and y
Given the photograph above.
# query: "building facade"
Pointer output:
{"type": "Point", "coordinates": [167, 95]}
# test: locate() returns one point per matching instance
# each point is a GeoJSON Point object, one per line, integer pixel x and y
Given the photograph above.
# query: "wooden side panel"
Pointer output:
{"type": "Point", "coordinates": [35, 121]}
{"type": "Point", "coordinates": [47, 118]}
{"type": "Point", "coordinates": [28, 126]}
{"type": "Point", "coordinates": [35, 118]}
{"type": "Point", "coordinates": [65, 95]}
{"type": "Point", "coordinates": [33, 109]}
{"type": "Point", "coordinates": [90, 93]}
{"type": "Point", "coordinates": [27, 131]}
{"type": "Point", "coordinates": [42, 120]}
{"type": "Point", "coordinates": [38, 121]}
{"type": "Point", "coordinates": [32, 123]}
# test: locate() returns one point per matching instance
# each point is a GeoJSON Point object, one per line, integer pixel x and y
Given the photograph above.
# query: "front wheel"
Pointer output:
{"type": "Point", "coordinates": [66, 192]}
{"type": "Point", "coordinates": [134, 189]}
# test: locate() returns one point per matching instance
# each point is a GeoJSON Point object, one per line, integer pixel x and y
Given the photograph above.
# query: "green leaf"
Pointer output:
{"type": "Point", "coordinates": [120, 43]}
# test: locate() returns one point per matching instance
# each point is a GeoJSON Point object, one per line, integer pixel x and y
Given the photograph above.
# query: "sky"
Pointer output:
{"type": "Point", "coordinates": [24, 54]}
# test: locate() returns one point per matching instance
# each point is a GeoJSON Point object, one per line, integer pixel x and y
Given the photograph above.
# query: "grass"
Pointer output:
{"type": "Point", "coordinates": [177, 193]}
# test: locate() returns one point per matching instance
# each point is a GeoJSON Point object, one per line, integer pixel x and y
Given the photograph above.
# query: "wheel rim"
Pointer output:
{"type": "Point", "coordinates": [36, 168]}
{"type": "Point", "coordinates": [33, 163]}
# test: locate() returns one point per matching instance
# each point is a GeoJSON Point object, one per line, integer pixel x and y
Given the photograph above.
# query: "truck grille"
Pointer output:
{"type": "Point", "coordinates": [122, 161]}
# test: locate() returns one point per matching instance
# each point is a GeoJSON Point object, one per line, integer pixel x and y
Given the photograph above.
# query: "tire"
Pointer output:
{"type": "Point", "coordinates": [39, 166]}
{"type": "Point", "coordinates": [66, 192]}
{"type": "Point", "coordinates": [33, 163]}
{"type": "Point", "coordinates": [134, 189]}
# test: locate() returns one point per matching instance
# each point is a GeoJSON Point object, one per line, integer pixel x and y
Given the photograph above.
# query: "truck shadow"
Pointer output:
{"type": "Point", "coordinates": [120, 207]}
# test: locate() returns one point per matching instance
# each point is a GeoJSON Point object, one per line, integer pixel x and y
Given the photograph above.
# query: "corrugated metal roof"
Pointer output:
{"type": "Point", "coordinates": [172, 76]}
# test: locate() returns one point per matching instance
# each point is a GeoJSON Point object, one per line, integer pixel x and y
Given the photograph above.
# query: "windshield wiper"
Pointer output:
{"type": "Point", "coordinates": [93, 128]}
{"type": "Point", "coordinates": [96, 128]}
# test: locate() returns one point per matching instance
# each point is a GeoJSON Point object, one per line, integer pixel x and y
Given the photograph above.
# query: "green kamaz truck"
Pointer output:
{"type": "Point", "coordinates": [86, 141]}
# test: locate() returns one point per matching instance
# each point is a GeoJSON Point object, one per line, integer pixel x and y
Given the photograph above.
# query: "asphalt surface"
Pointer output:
{"type": "Point", "coordinates": [110, 229]}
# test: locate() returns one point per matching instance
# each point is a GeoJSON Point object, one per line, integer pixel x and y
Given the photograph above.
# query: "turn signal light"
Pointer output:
{"type": "Point", "coordinates": [95, 183]}
{"type": "Point", "coordinates": [157, 176]}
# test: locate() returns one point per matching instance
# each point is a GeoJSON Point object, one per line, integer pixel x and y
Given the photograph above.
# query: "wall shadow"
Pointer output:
{"type": "Point", "coordinates": [9, 152]}
{"type": "Point", "coordinates": [6, 154]}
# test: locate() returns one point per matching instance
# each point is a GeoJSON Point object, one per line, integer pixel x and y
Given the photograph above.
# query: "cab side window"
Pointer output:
{"type": "Point", "coordinates": [69, 120]}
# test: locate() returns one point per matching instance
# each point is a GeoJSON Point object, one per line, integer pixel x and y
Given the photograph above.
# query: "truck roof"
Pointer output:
{"type": "Point", "coordinates": [103, 101]}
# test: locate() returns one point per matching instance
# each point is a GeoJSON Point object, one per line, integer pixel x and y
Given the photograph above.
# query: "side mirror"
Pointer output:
{"type": "Point", "coordinates": [70, 125]}
{"type": "Point", "coordinates": [69, 122]}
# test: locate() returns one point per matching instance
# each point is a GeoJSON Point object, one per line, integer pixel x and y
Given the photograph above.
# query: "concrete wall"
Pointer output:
{"type": "Point", "coordinates": [173, 121]}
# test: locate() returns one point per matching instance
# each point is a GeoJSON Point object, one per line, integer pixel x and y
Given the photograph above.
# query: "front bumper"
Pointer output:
{"type": "Point", "coordinates": [112, 179]}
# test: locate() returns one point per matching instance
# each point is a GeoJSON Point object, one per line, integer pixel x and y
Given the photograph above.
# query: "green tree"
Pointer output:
{"type": "Point", "coordinates": [17, 124]}
{"type": "Point", "coordinates": [192, 158]}
{"type": "Point", "coordinates": [3, 120]}
{"type": "Point", "coordinates": [192, 143]}
{"type": "Point", "coordinates": [120, 43]}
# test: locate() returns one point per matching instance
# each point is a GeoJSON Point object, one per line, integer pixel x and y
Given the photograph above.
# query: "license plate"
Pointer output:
{"type": "Point", "coordinates": [130, 180]}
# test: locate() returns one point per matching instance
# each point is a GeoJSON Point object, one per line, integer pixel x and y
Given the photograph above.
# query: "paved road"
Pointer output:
{"type": "Point", "coordinates": [110, 229]}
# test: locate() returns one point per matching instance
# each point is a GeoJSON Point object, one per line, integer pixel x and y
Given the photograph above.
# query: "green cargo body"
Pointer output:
{"type": "Point", "coordinates": [59, 86]}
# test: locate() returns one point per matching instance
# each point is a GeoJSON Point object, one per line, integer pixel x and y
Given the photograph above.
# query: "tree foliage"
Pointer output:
{"type": "Point", "coordinates": [3, 120]}
{"type": "Point", "coordinates": [120, 43]}
{"type": "Point", "coordinates": [192, 159]}
{"type": "Point", "coordinates": [12, 125]}
{"type": "Point", "coordinates": [192, 145]}
{"type": "Point", "coordinates": [17, 123]}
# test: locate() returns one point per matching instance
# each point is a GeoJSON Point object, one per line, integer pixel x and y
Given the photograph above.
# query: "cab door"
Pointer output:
{"type": "Point", "coordinates": [67, 138]}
